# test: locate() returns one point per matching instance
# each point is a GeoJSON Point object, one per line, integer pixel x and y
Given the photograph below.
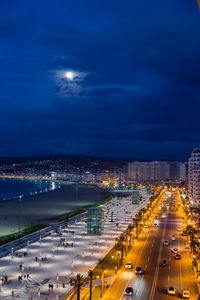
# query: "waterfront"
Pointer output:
{"type": "Point", "coordinates": [42, 208]}
{"type": "Point", "coordinates": [13, 188]}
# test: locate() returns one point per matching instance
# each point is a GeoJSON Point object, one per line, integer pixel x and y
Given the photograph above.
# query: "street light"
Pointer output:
{"type": "Point", "coordinates": [102, 281]}
{"type": "Point", "coordinates": [20, 208]}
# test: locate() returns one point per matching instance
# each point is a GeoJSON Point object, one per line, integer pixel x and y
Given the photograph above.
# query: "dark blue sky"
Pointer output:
{"type": "Point", "coordinates": [135, 90]}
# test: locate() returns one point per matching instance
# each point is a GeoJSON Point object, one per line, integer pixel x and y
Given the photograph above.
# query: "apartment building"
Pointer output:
{"type": "Point", "coordinates": [194, 178]}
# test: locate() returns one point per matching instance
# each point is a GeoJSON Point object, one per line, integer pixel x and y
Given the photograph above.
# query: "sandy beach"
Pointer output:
{"type": "Point", "coordinates": [42, 208]}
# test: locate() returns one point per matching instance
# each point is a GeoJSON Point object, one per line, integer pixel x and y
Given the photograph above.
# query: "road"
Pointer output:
{"type": "Point", "coordinates": [148, 252]}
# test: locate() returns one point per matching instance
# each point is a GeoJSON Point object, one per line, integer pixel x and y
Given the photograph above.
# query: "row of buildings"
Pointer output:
{"type": "Point", "coordinates": [156, 171]}
{"type": "Point", "coordinates": [162, 171]}
{"type": "Point", "coordinates": [194, 178]}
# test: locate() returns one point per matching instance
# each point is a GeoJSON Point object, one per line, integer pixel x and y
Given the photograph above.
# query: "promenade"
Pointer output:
{"type": "Point", "coordinates": [41, 270]}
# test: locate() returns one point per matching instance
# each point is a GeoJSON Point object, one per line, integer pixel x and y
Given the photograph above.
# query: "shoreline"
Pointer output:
{"type": "Point", "coordinates": [48, 206]}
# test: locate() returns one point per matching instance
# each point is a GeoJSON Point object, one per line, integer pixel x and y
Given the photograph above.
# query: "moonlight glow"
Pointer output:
{"type": "Point", "coordinates": [70, 75]}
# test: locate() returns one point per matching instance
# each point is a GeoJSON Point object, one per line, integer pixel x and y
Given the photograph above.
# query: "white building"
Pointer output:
{"type": "Point", "coordinates": [154, 171]}
{"type": "Point", "coordinates": [177, 171]}
{"type": "Point", "coordinates": [194, 178]}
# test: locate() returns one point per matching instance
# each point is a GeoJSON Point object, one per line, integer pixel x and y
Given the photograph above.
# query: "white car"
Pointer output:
{"type": "Point", "coordinates": [165, 243]}
{"type": "Point", "coordinates": [171, 291]}
{"type": "Point", "coordinates": [128, 265]}
{"type": "Point", "coordinates": [185, 294]}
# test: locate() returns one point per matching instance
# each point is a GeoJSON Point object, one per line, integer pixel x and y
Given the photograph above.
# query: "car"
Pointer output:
{"type": "Point", "coordinates": [177, 256]}
{"type": "Point", "coordinates": [165, 243]}
{"type": "Point", "coordinates": [173, 238]}
{"type": "Point", "coordinates": [139, 271]}
{"type": "Point", "coordinates": [185, 294]}
{"type": "Point", "coordinates": [164, 262]}
{"type": "Point", "coordinates": [146, 226]}
{"type": "Point", "coordinates": [156, 217]}
{"type": "Point", "coordinates": [179, 229]}
{"type": "Point", "coordinates": [171, 290]}
{"type": "Point", "coordinates": [155, 225]}
{"type": "Point", "coordinates": [128, 265]}
{"type": "Point", "coordinates": [175, 251]}
{"type": "Point", "coordinates": [164, 215]}
{"type": "Point", "coordinates": [129, 291]}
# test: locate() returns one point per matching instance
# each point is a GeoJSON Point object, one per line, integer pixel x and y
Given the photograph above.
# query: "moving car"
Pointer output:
{"type": "Point", "coordinates": [185, 294]}
{"type": "Point", "coordinates": [128, 265]}
{"type": "Point", "coordinates": [129, 291]}
{"type": "Point", "coordinates": [164, 262]}
{"type": "Point", "coordinates": [139, 271]}
{"type": "Point", "coordinates": [165, 243]}
{"type": "Point", "coordinates": [175, 250]}
{"type": "Point", "coordinates": [173, 238]}
{"type": "Point", "coordinates": [177, 256]}
{"type": "Point", "coordinates": [171, 291]}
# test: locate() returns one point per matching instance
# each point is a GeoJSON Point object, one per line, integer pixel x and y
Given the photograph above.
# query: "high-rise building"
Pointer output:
{"type": "Point", "coordinates": [177, 171]}
{"type": "Point", "coordinates": [194, 178]}
{"type": "Point", "coordinates": [154, 171]}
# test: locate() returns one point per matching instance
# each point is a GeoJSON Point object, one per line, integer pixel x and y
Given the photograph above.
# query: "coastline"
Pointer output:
{"type": "Point", "coordinates": [45, 207]}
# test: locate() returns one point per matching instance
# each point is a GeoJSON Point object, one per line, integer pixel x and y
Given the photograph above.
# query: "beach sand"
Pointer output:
{"type": "Point", "coordinates": [42, 208]}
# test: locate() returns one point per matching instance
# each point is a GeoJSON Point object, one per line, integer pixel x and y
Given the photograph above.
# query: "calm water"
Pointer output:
{"type": "Point", "coordinates": [12, 188]}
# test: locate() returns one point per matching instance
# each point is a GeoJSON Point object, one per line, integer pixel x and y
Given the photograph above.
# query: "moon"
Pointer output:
{"type": "Point", "coordinates": [70, 75]}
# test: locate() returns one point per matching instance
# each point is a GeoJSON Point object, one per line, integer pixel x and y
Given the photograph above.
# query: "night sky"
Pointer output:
{"type": "Point", "coordinates": [102, 78]}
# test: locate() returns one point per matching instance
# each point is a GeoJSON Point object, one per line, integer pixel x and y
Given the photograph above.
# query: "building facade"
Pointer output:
{"type": "Point", "coordinates": [154, 171]}
{"type": "Point", "coordinates": [95, 222]}
{"type": "Point", "coordinates": [194, 178]}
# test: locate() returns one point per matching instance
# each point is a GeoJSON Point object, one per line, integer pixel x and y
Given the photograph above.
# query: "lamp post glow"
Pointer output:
{"type": "Point", "coordinates": [20, 212]}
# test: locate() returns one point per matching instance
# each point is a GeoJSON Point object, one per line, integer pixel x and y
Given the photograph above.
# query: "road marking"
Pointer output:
{"type": "Point", "coordinates": [168, 278]}
{"type": "Point", "coordinates": [169, 267]}
{"type": "Point", "coordinates": [135, 265]}
{"type": "Point", "coordinates": [137, 291]}
{"type": "Point", "coordinates": [157, 266]}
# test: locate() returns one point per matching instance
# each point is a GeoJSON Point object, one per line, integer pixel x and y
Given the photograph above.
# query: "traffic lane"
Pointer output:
{"type": "Point", "coordinates": [116, 291]}
{"type": "Point", "coordinates": [137, 280]}
{"type": "Point", "coordinates": [175, 275]}
{"type": "Point", "coordinates": [123, 277]}
{"type": "Point", "coordinates": [170, 276]}
{"type": "Point", "coordinates": [164, 271]}
{"type": "Point", "coordinates": [138, 262]}
{"type": "Point", "coordinates": [142, 283]}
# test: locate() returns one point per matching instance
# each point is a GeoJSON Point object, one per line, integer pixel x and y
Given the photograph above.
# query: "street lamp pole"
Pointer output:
{"type": "Point", "coordinates": [20, 212]}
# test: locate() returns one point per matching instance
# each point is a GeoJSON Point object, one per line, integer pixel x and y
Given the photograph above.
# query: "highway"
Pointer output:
{"type": "Point", "coordinates": [148, 252]}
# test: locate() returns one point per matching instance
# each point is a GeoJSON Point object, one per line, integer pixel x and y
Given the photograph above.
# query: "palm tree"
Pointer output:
{"type": "Point", "coordinates": [121, 242]}
{"type": "Point", "coordinates": [77, 281]}
{"type": "Point", "coordinates": [129, 231]}
{"type": "Point", "coordinates": [90, 275]}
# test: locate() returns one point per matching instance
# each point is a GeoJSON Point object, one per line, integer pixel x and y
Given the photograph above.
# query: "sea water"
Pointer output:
{"type": "Point", "coordinates": [13, 188]}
